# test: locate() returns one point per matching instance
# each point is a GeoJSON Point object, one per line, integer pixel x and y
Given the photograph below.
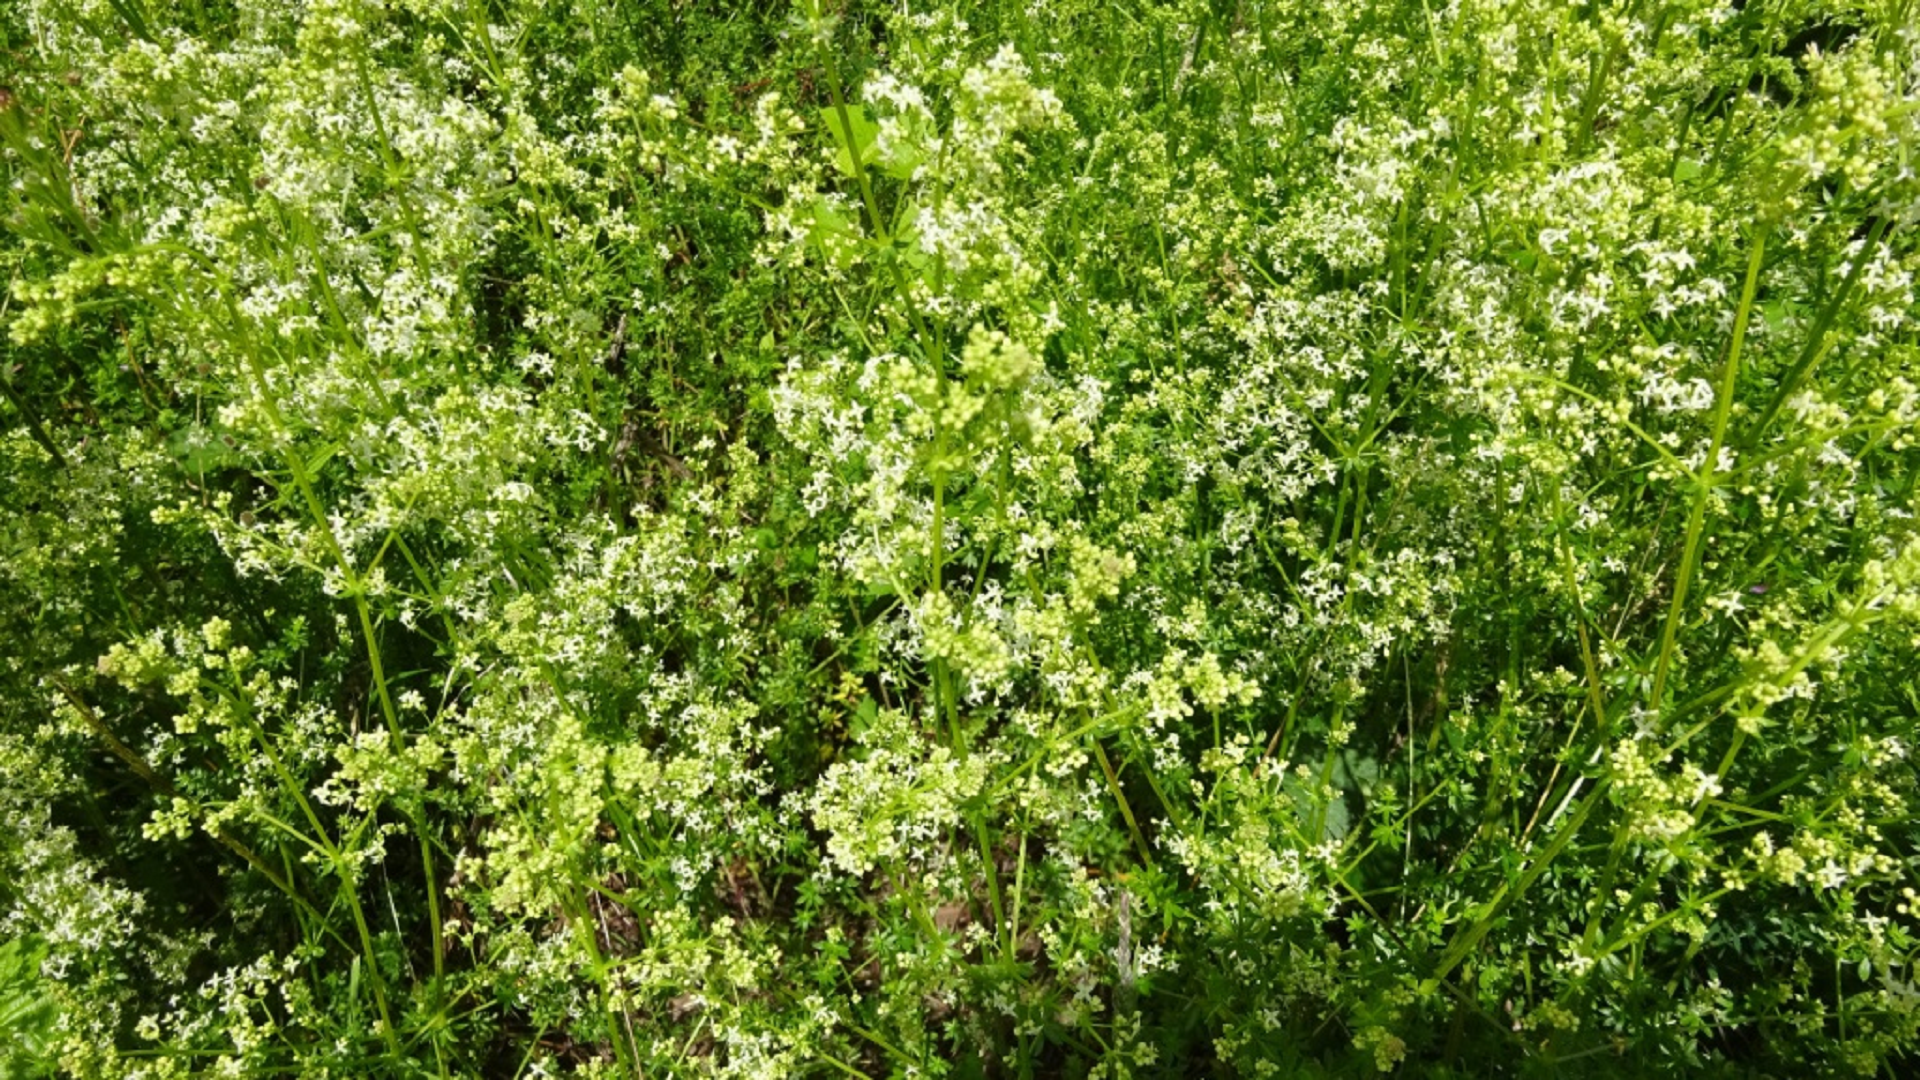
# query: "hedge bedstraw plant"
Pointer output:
{"type": "Point", "coordinates": [1218, 537]}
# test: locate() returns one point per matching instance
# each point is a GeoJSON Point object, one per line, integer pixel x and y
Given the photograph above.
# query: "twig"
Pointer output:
{"type": "Point", "coordinates": [165, 787]}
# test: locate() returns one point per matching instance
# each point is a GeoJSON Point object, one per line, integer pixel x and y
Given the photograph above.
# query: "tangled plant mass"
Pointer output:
{"type": "Point", "coordinates": [1065, 538]}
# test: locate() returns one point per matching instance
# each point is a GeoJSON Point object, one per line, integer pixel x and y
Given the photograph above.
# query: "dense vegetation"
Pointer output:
{"type": "Point", "coordinates": [1062, 538]}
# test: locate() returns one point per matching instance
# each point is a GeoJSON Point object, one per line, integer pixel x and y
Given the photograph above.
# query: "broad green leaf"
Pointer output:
{"type": "Point", "coordinates": [861, 137]}
{"type": "Point", "coordinates": [27, 1010]}
{"type": "Point", "coordinates": [901, 163]}
{"type": "Point", "coordinates": [838, 238]}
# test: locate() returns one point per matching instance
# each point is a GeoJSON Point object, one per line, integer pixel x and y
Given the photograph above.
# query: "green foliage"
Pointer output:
{"type": "Point", "coordinates": [27, 1011]}
{"type": "Point", "coordinates": [1225, 537]}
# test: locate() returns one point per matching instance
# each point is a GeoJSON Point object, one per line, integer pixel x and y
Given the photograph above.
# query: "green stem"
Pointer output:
{"type": "Point", "coordinates": [1812, 351]}
{"type": "Point", "coordinates": [34, 427]}
{"type": "Point", "coordinates": [1465, 941]}
{"type": "Point", "coordinates": [354, 588]}
{"type": "Point", "coordinates": [1120, 797]}
{"type": "Point", "coordinates": [1709, 472]}
{"type": "Point", "coordinates": [165, 787]}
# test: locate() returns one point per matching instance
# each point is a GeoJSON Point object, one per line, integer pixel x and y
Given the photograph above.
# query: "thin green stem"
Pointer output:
{"type": "Point", "coordinates": [355, 588]}
{"type": "Point", "coordinates": [1709, 473]}
{"type": "Point", "coordinates": [1816, 337]}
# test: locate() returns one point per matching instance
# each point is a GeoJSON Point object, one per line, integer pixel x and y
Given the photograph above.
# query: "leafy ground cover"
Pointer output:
{"type": "Point", "coordinates": [1067, 538]}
